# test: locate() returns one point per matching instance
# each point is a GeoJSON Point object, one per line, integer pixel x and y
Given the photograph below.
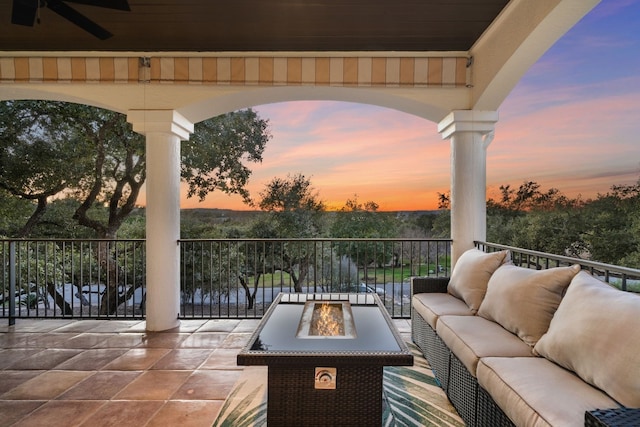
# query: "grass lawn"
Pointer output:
{"type": "Point", "coordinates": [375, 275]}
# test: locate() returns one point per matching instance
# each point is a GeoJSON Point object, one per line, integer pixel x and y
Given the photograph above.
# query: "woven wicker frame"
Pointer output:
{"type": "Point", "coordinates": [433, 348]}
{"type": "Point", "coordinates": [441, 357]}
{"type": "Point", "coordinates": [473, 403]}
{"type": "Point", "coordinates": [461, 387]}
{"type": "Point", "coordinates": [292, 396]}
{"type": "Point", "coordinates": [463, 390]}
{"type": "Point", "coordinates": [488, 413]}
{"type": "Point", "coordinates": [294, 401]}
{"type": "Point", "coordinates": [619, 417]}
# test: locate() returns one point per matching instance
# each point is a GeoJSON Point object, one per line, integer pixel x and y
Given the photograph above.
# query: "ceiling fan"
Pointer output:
{"type": "Point", "coordinates": [25, 12]}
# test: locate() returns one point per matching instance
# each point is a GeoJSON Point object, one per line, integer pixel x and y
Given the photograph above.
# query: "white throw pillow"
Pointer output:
{"type": "Point", "coordinates": [523, 301]}
{"type": "Point", "coordinates": [471, 274]}
{"type": "Point", "coordinates": [596, 334]}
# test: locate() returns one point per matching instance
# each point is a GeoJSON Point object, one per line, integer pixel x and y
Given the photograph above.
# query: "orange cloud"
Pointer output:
{"type": "Point", "coordinates": [572, 123]}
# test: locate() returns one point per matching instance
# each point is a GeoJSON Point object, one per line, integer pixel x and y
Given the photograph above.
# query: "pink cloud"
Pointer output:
{"type": "Point", "coordinates": [572, 123]}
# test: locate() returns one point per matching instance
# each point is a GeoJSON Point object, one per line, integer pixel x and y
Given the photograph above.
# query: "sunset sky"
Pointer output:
{"type": "Point", "coordinates": [573, 123]}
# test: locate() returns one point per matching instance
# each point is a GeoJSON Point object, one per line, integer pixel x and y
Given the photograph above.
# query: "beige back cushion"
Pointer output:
{"type": "Point", "coordinates": [523, 301]}
{"type": "Point", "coordinates": [471, 274]}
{"type": "Point", "coordinates": [595, 333]}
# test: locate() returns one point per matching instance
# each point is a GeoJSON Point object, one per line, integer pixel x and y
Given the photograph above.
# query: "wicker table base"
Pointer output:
{"type": "Point", "coordinates": [329, 380]}
{"type": "Point", "coordinates": [294, 401]}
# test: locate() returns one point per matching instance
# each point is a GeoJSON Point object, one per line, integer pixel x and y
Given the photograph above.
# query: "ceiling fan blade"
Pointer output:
{"type": "Point", "coordinates": [79, 19]}
{"type": "Point", "coordinates": [24, 12]}
{"type": "Point", "coordinates": [109, 4]}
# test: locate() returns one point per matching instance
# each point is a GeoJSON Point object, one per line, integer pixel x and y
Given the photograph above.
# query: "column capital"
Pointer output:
{"type": "Point", "coordinates": [479, 121]}
{"type": "Point", "coordinates": [160, 121]}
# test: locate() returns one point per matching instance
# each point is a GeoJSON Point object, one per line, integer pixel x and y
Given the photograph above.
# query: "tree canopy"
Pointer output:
{"type": "Point", "coordinates": [91, 155]}
{"type": "Point", "coordinates": [42, 152]}
{"type": "Point", "coordinates": [603, 229]}
{"type": "Point", "coordinates": [70, 170]}
{"type": "Point", "coordinates": [214, 158]}
{"type": "Point", "coordinates": [294, 208]}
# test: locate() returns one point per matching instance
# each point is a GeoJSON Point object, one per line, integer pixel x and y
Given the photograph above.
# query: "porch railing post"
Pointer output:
{"type": "Point", "coordinates": [12, 283]}
{"type": "Point", "coordinates": [470, 132]}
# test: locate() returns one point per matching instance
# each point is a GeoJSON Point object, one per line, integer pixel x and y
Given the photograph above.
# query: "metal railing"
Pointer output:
{"type": "Point", "coordinates": [235, 278]}
{"type": "Point", "coordinates": [626, 279]}
{"type": "Point", "coordinates": [72, 278]}
{"type": "Point", "coordinates": [241, 277]}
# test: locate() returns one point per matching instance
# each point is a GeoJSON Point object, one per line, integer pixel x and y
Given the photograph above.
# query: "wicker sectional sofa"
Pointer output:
{"type": "Point", "coordinates": [517, 346]}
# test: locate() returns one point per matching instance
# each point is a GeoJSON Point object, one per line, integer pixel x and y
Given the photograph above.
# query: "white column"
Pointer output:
{"type": "Point", "coordinates": [164, 129]}
{"type": "Point", "coordinates": [470, 132]}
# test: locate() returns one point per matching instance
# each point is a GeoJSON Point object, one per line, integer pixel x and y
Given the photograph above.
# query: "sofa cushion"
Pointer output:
{"type": "Point", "coordinates": [473, 337]}
{"type": "Point", "coordinates": [523, 301]}
{"type": "Point", "coordinates": [433, 305]}
{"type": "Point", "coordinates": [471, 274]}
{"type": "Point", "coordinates": [594, 333]}
{"type": "Point", "coordinates": [533, 391]}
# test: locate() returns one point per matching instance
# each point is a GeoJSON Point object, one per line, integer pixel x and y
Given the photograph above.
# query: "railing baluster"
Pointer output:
{"type": "Point", "coordinates": [12, 283]}
{"type": "Point", "coordinates": [39, 271]}
{"type": "Point", "coordinates": [615, 275]}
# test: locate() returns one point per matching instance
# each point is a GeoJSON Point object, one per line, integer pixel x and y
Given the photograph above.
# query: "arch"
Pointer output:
{"type": "Point", "coordinates": [208, 102]}
{"type": "Point", "coordinates": [230, 102]}
{"type": "Point", "coordinates": [428, 84]}
{"type": "Point", "coordinates": [53, 93]}
{"type": "Point", "coordinates": [194, 86]}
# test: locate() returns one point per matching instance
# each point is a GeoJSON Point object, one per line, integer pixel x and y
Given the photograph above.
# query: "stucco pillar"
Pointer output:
{"type": "Point", "coordinates": [164, 129]}
{"type": "Point", "coordinates": [470, 133]}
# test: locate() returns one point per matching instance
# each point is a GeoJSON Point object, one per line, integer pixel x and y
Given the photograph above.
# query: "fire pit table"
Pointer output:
{"type": "Point", "coordinates": [325, 355]}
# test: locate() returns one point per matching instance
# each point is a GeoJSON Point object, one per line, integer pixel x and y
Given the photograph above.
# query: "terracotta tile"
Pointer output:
{"type": "Point", "coordinates": [208, 385]}
{"type": "Point", "coordinates": [236, 340]}
{"type": "Point", "coordinates": [406, 337]}
{"type": "Point", "coordinates": [13, 340]}
{"type": "Point", "coordinates": [140, 327]}
{"type": "Point", "coordinates": [127, 340]}
{"type": "Point", "coordinates": [13, 410]}
{"type": "Point", "coordinates": [46, 340]}
{"type": "Point", "coordinates": [193, 413]}
{"type": "Point", "coordinates": [94, 363]}
{"type": "Point", "coordinates": [60, 413]}
{"type": "Point", "coordinates": [100, 386]}
{"type": "Point", "coordinates": [116, 325]}
{"type": "Point", "coordinates": [247, 325]}
{"type": "Point", "coordinates": [219, 325]}
{"type": "Point", "coordinates": [39, 325]}
{"type": "Point", "coordinates": [10, 356]}
{"type": "Point", "coordinates": [163, 339]}
{"type": "Point", "coordinates": [47, 385]}
{"type": "Point", "coordinates": [45, 359]}
{"type": "Point", "coordinates": [123, 413]}
{"type": "Point", "coordinates": [402, 325]}
{"type": "Point", "coordinates": [80, 326]}
{"type": "Point", "coordinates": [204, 340]}
{"type": "Point", "coordinates": [85, 340]}
{"type": "Point", "coordinates": [137, 359]}
{"type": "Point", "coordinates": [11, 379]}
{"type": "Point", "coordinates": [181, 359]}
{"type": "Point", "coordinates": [153, 385]}
{"type": "Point", "coordinates": [92, 359]}
{"type": "Point", "coordinates": [189, 325]}
{"type": "Point", "coordinates": [222, 358]}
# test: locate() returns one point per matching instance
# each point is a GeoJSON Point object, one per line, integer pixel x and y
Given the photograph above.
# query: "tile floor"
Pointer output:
{"type": "Point", "coordinates": [94, 373]}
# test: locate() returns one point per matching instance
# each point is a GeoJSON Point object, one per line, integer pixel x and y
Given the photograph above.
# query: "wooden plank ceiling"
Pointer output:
{"type": "Point", "coordinates": [260, 26]}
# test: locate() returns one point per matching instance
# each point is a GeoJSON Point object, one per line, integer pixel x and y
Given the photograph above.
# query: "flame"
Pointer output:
{"type": "Point", "coordinates": [328, 320]}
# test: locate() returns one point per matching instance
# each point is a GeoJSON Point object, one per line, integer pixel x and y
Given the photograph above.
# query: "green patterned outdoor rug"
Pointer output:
{"type": "Point", "coordinates": [412, 397]}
